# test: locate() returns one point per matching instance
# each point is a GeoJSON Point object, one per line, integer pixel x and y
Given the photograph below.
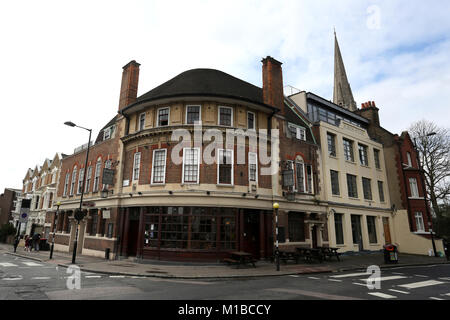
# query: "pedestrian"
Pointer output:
{"type": "Point", "coordinates": [27, 243]}
{"type": "Point", "coordinates": [36, 240]}
{"type": "Point", "coordinates": [16, 243]}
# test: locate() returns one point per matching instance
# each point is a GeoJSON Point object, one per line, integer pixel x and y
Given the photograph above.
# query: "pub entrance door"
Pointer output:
{"type": "Point", "coordinates": [250, 234]}
{"type": "Point", "coordinates": [133, 232]}
{"type": "Point", "coordinates": [314, 236]}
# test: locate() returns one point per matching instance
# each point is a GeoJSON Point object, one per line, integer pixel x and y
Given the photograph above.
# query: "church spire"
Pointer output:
{"type": "Point", "coordinates": [342, 93]}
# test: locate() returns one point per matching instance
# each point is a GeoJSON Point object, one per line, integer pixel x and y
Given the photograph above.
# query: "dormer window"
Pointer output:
{"type": "Point", "coordinates": [192, 114]}
{"type": "Point", "coordinates": [408, 156]}
{"type": "Point", "coordinates": [108, 132]}
{"type": "Point", "coordinates": [298, 132]}
{"type": "Point", "coordinates": [141, 121]}
{"type": "Point", "coordinates": [226, 116]}
{"type": "Point", "coordinates": [163, 117]}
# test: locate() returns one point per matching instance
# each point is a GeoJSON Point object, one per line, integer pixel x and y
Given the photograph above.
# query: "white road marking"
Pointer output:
{"type": "Point", "coordinates": [32, 264]}
{"type": "Point", "coordinates": [12, 279]}
{"type": "Point", "coordinates": [419, 275]}
{"type": "Point", "coordinates": [397, 273]}
{"type": "Point", "coordinates": [447, 279]}
{"type": "Point", "coordinates": [93, 276]}
{"type": "Point", "coordinates": [293, 275]}
{"type": "Point", "coordinates": [335, 280]}
{"type": "Point", "coordinates": [117, 276]}
{"type": "Point", "coordinates": [40, 278]}
{"type": "Point", "coordinates": [382, 295]}
{"type": "Point", "coordinates": [421, 284]}
{"type": "Point", "coordinates": [7, 264]}
{"type": "Point", "coordinates": [434, 298]}
{"type": "Point", "coordinates": [383, 278]}
{"type": "Point", "coordinates": [360, 284]}
{"type": "Point", "coordinates": [314, 278]}
{"type": "Point", "coordinates": [447, 294]}
{"type": "Point", "coordinates": [351, 275]}
{"type": "Point", "coordinates": [399, 291]}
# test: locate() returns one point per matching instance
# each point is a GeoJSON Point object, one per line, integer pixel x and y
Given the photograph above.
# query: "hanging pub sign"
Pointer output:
{"type": "Point", "coordinates": [288, 178]}
{"type": "Point", "coordinates": [108, 176]}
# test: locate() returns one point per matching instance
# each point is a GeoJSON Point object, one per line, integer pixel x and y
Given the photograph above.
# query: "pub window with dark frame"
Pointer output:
{"type": "Point", "coordinates": [163, 117]}
{"type": "Point", "coordinates": [191, 165]}
{"type": "Point", "coordinates": [109, 233]}
{"type": "Point", "coordinates": [251, 120]}
{"type": "Point", "coordinates": [334, 182]}
{"type": "Point", "coordinates": [376, 156]}
{"type": "Point", "coordinates": [196, 228]}
{"type": "Point", "coordinates": [225, 116]}
{"type": "Point", "coordinates": [367, 188]}
{"type": "Point", "coordinates": [351, 186]}
{"type": "Point", "coordinates": [331, 138]}
{"type": "Point", "coordinates": [348, 150]}
{"type": "Point", "coordinates": [94, 222]}
{"type": "Point", "coordinates": [381, 191]}
{"type": "Point", "coordinates": [296, 223]}
{"type": "Point", "coordinates": [371, 229]}
{"type": "Point", "coordinates": [338, 226]}
{"type": "Point", "coordinates": [192, 114]}
{"type": "Point", "coordinates": [225, 164]}
{"type": "Point", "coordinates": [362, 149]}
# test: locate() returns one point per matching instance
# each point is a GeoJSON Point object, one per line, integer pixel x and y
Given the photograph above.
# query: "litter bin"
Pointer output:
{"type": "Point", "coordinates": [390, 253]}
{"type": "Point", "coordinates": [107, 250]}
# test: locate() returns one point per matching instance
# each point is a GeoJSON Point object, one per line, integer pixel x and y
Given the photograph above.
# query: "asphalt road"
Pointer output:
{"type": "Point", "coordinates": [24, 279]}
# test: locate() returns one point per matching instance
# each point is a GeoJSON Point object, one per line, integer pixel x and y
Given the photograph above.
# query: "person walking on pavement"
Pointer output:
{"type": "Point", "coordinates": [27, 243]}
{"type": "Point", "coordinates": [36, 239]}
{"type": "Point", "coordinates": [16, 243]}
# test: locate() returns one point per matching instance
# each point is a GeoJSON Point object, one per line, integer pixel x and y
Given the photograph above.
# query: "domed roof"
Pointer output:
{"type": "Point", "coordinates": [205, 82]}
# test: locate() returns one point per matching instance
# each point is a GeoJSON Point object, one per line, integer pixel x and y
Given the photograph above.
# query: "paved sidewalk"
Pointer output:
{"type": "Point", "coordinates": [164, 269]}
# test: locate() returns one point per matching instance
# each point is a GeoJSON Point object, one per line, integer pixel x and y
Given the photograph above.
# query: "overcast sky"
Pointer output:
{"type": "Point", "coordinates": [62, 60]}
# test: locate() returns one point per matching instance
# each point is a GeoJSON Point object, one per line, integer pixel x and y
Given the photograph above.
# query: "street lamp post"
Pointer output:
{"type": "Point", "coordinates": [79, 216]}
{"type": "Point", "coordinates": [425, 194]}
{"type": "Point", "coordinates": [54, 228]}
{"type": "Point", "coordinates": [277, 251]}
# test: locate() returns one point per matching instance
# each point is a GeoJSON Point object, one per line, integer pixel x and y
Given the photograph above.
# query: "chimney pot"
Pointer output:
{"type": "Point", "coordinates": [273, 83]}
{"type": "Point", "coordinates": [129, 86]}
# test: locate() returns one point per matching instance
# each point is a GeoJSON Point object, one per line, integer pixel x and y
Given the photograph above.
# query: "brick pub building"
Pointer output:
{"type": "Point", "coordinates": [194, 209]}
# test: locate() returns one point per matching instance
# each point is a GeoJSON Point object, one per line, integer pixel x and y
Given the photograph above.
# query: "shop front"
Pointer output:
{"type": "Point", "coordinates": [195, 233]}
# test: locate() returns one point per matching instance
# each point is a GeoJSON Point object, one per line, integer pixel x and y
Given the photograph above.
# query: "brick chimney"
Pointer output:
{"type": "Point", "coordinates": [273, 83]}
{"type": "Point", "coordinates": [129, 86]}
{"type": "Point", "coordinates": [370, 111]}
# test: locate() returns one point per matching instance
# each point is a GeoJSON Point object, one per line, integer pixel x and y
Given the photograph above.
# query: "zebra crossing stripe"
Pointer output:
{"type": "Point", "coordinates": [399, 291]}
{"type": "Point", "coordinates": [382, 295]}
{"type": "Point", "coordinates": [93, 276]}
{"type": "Point", "coordinates": [434, 298]}
{"type": "Point", "coordinates": [8, 264]}
{"type": "Point", "coordinates": [40, 278]}
{"type": "Point", "coordinates": [421, 284]}
{"type": "Point", "coordinates": [351, 275]}
{"type": "Point", "coordinates": [384, 278]}
{"type": "Point", "coordinates": [32, 264]}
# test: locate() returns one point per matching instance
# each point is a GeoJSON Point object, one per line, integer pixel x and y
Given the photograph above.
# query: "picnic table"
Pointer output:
{"type": "Point", "coordinates": [310, 254]}
{"type": "Point", "coordinates": [329, 252]}
{"type": "Point", "coordinates": [239, 258]}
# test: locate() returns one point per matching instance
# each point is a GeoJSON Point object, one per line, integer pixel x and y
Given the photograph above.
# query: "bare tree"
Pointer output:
{"type": "Point", "coordinates": [433, 146]}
